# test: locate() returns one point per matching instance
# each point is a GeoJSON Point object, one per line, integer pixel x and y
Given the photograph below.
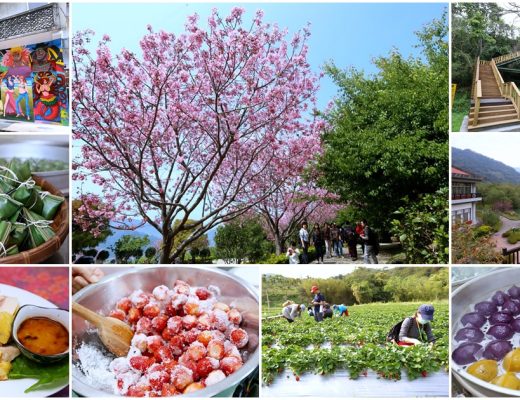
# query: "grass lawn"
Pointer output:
{"type": "Point", "coordinates": [461, 106]}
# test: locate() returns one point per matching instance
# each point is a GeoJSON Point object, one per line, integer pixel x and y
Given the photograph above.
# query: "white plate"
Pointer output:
{"type": "Point", "coordinates": [16, 387]}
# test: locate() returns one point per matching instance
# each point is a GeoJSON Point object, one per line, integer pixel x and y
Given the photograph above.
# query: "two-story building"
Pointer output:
{"type": "Point", "coordinates": [464, 196]}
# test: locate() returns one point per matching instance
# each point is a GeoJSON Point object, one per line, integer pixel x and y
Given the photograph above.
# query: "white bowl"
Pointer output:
{"type": "Point", "coordinates": [30, 311]}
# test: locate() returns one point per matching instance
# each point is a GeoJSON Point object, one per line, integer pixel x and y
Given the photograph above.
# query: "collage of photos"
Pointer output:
{"type": "Point", "coordinates": [264, 200]}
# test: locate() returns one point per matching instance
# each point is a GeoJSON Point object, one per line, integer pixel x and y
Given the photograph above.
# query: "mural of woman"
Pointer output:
{"type": "Point", "coordinates": [18, 60]}
{"type": "Point", "coordinates": [23, 95]}
{"type": "Point", "coordinates": [9, 105]}
{"type": "Point", "coordinates": [47, 107]}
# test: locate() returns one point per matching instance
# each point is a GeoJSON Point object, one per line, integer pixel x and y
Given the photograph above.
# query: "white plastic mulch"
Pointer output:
{"type": "Point", "coordinates": [339, 385]}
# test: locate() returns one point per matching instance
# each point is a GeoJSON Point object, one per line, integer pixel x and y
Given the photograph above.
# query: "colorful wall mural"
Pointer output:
{"type": "Point", "coordinates": [33, 83]}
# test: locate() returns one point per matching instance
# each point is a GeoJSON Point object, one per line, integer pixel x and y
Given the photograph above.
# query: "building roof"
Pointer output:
{"type": "Point", "coordinates": [460, 175]}
{"type": "Point", "coordinates": [458, 171]}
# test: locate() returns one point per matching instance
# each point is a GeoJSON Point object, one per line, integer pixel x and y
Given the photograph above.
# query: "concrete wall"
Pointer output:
{"type": "Point", "coordinates": [10, 9]}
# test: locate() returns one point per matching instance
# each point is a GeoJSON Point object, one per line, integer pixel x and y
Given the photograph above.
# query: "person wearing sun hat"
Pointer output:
{"type": "Point", "coordinates": [318, 301]}
{"type": "Point", "coordinates": [417, 329]}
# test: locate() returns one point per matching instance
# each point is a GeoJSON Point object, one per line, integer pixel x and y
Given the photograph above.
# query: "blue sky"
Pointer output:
{"type": "Point", "coordinates": [351, 34]}
{"type": "Point", "coordinates": [501, 146]}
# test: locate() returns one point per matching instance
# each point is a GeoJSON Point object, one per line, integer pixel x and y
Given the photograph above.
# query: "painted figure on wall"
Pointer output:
{"type": "Point", "coordinates": [9, 104]}
{"type": "Point", "coordinates": [47, 106]}
{"type": "Point", "coordinates": [46, 57]}
{"type": "Point", "coordinates": [18, 61]}
{"type": "Point", "coordinates": [23, 96]}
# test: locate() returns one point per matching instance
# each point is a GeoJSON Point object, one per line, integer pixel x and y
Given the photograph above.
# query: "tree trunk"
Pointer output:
{"type": "Point", "coordinates": [166, 250]}
{"type": "Point", "coordinates": [279, 244]}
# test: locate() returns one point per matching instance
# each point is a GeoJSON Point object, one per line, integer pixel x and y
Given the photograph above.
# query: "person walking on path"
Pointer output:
{"type": "Point", "coordinates": [293, 254]}
{"type": "Point", "coordinates": [351, 240]}
{"type": "Point", "coordinates": [318, 301]}
{"type": "Point", "coordinates": [319, 242]}
{"type": "Point", "coordinates": [371, 244]}
{"type": "Point", "coordinates": [359, 233]}
{"type": "Point", "coordinates": [326, 237]}
{"type": "Point", "coordinates": [304, 242]}
{"type": "Point", "coordinates": [292, 310]}
{"type": "Point", "coordinates": [334, 235]}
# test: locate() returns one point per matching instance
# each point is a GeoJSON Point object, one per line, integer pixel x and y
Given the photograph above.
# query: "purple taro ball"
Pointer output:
{"type": "Point", "coordinates": [501, 331]}
{"type": "Point", "coordinates": [469, 334]}
{"type": "Point", "coordinates": [511, 306]}
{"type": "Point", "coordinates": [486, 308]}
{"type": "Point", "coordinates": [500, 298]}
{"type": "Point", "coordinates": [473, 318]}
{"type": "Point", "coordinates": [515, 325]}
{"type": "Point", "coordinates": [497, 349]}
{"type": "Point", "coordinates": [514, 291]}
{"type": "Point", "coordinates": [466, 353]}
{"type": "Point", "coordinates": [501, 317]}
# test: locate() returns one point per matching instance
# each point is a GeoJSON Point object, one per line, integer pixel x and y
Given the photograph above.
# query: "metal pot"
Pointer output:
{"type": "Point", "coordinates": [102, 297]}
{"type": "Point", "coordinates": [472, 292]}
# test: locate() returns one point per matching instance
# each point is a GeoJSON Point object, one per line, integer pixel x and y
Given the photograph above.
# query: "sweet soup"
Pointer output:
{"type": "Point", "coordinates": [44, 336]}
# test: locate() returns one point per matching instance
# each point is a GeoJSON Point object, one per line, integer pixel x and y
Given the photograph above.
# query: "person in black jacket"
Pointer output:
{"type": "Point", "coordinates": [371, 244]}
{"type": "Point", "coordinates": [319, 242]}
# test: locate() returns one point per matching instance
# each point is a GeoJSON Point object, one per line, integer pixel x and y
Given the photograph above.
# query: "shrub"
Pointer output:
{"type": "Point", "coordinates": [422, 227]}
{"type": "Point", "coordinates": [491, 218]}
{"type": "Point", "coordinates": [513, 235]}
{"type": "Point", "coordinates": [483, 230]}
{"type": "Point", "coordinates": [468, 248]}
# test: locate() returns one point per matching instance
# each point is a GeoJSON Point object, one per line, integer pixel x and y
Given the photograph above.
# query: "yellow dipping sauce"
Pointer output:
{"type": "Point", "coordinates": [44, 336]}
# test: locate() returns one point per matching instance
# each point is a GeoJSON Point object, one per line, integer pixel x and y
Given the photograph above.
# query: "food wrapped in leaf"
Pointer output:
{"type": "Point", "coordinates": [51, 204]}
{"type": "Point", "coordinates": [39, 228]}
{"type": "Point", "coordinates": [5, 231]}
{"type": "Point", "coordinates": [8, 206]}
{"type": "Point", "coordinates": [18, 233]}
{"type": "Point", "coordinates": [21, 169]}
{"type": "Point", "coordinates": [26, 193]}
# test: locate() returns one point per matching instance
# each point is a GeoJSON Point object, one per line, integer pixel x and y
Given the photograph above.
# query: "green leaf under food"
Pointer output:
{"type": "Point", "coordinates": [48, 375]}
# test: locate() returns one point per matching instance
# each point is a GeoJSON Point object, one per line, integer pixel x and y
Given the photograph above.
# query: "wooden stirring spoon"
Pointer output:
{"type": "Point", "coordinates": [114, 334]}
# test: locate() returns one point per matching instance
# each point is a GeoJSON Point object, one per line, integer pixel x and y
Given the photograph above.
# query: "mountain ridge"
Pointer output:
{"type": "Point", "coordinates": [485, 167]}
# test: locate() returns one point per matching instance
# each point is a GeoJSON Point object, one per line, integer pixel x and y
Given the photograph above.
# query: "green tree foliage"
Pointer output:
{"type": "Point", "coordinates": [422, 228]}
{"type": "Point", "coordinates": [477, 30]}
{"type": "Point", "coordinates": [241, 240]}
{"type": "Point", "coordinates": [495, 194]}
{"type": "Point", "coordinates": [388, 136]}
{"type": "Point", "coordinates": [82, 240]}
{"type": "Point", "coordinates": [130, 246]}
{"type": "Point", "coordinates": [102, 256]}
{"type": "Point", "coordinates": [364, 285]}
{"type": "Point", "coordinates": [150, 252]}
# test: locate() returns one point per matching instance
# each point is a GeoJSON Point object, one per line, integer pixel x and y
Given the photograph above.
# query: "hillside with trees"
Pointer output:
{"type": "Point", "coordinates": [485, 167]}
{"type": "Point", "coordinates": [364, 285]}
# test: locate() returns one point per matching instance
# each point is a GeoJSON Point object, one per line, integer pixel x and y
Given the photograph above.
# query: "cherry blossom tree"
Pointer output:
{"type": "Point", "coordinates": [186, 130]}
{"type": "Point", "coordinates": [293, 203]}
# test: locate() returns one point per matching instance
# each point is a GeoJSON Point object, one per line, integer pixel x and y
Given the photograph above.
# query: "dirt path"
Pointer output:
{"type": "Point", "coordinates": [507, 224]}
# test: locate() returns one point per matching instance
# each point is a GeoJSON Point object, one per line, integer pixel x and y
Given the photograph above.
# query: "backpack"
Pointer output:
{"type": "Point", "coordinates": [393, 334]}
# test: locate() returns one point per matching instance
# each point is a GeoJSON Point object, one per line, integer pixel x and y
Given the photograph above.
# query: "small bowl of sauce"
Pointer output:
{"type": "Point", "coordinates": [42, 334]}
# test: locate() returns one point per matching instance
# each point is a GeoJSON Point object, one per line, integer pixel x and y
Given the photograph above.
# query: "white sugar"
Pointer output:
{"type": "Point", "coordinates": [95, 367]}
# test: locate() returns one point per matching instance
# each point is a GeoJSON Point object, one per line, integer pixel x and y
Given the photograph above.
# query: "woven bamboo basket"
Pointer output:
{"type": "Point", "coordinates": [60, 226]}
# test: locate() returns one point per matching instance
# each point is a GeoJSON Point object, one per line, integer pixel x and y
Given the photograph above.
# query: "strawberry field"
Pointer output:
{"type": "Point", "coordinates": [355, 344]}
